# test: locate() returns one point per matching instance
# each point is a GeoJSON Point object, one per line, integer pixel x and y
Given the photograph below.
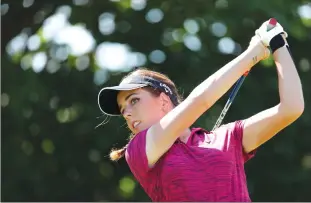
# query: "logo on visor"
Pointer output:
{"type": "Point", "coordinates": [166, 88]}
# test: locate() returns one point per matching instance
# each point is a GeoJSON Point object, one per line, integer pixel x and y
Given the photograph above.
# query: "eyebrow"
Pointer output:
{"type": "Point", "coordinates": [126, 98]}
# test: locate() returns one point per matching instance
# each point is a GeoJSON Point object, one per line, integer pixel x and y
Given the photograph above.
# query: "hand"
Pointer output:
{"type": "Point", "coordinates": [262, 52]}
{"type": "Point", "coordinates": [266, 35]}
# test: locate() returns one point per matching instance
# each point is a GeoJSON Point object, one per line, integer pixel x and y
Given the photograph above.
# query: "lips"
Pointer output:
{"type": "Point", "coordinates": [135, 124]}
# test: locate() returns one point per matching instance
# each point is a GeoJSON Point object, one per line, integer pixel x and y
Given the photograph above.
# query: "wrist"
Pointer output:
{"type": "Point", "coordinates": [277, 42]}
{"type": "Point", "coordinates": [253, 55]}
{"type": "Point", "coordinates": [258, 52]}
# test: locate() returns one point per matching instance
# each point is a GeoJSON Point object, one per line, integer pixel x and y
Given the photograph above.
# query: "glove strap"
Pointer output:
{"type": "Point", "coordinates": [277, 42]}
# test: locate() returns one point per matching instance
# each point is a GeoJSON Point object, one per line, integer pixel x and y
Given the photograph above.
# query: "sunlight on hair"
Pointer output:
{"type": "Point", "coordinates": [103, 122]}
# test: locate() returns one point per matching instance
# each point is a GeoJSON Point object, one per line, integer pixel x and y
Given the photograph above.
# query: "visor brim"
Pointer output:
{"type": "Point", "coordinates": [107, 98]}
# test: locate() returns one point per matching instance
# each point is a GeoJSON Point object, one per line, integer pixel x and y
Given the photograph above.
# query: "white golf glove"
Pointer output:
{"type": "Point", "coordinates": [266, 35]}
{"type": "Point", "coordinates": [256, 41]}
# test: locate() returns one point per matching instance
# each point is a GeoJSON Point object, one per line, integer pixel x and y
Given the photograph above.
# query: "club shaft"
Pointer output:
{"type": "Point", "coordinates": [230, 100]}
{"type": "Point", "coordinates": [238, 84]}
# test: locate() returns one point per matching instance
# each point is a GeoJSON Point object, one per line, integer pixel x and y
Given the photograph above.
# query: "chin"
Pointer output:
{"type": "Point", "coordinates": [139, 129]}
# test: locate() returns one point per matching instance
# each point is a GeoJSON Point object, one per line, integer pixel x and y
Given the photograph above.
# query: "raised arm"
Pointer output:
{"type": "Point", "coordinates": [264, 125]}
{"type": "Point", "coordinates": [162, 135]}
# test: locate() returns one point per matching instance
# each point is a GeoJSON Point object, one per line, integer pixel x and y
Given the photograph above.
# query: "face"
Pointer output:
{"type": "Point", "coordinates": [141, 109]}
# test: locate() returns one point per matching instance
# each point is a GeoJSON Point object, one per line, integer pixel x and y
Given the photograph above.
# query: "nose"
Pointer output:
{"type": "Point", "coordinates": [127, 113]}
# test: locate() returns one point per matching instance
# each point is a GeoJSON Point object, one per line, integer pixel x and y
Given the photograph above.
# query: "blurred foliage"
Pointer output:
{"type": "Point", "coordinates": [57, 56]}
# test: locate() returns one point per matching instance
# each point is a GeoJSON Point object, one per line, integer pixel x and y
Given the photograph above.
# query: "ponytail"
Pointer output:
{"type": "Point", "coordinates": [117, 154]}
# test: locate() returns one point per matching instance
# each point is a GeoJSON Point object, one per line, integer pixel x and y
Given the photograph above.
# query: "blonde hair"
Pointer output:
{"type": "Point", "coordinates": [117, 154]}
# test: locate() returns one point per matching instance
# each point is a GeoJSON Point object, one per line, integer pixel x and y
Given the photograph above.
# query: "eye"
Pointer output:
{"type": "Point", "coordinates": [134, 101]}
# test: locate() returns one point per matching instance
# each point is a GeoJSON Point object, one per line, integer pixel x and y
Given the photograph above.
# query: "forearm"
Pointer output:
{"type": "Point", "coordinates": [290, 89]}
{"type": "Point", "coordinates": [210, 90]}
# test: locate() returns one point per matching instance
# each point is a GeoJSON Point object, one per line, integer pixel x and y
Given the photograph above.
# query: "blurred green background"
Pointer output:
{"type": "Point", "coordinates": [56, 55]}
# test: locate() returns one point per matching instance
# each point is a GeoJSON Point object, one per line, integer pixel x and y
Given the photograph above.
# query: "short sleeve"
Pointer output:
{"type": "Point", "coordinates": [136, 157]}
{"type": "Point", "coordinates": [238, 128]}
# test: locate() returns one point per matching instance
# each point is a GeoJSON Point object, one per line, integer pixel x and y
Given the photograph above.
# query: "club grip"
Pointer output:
{"type": "Point", "coordinates": [272, 23]}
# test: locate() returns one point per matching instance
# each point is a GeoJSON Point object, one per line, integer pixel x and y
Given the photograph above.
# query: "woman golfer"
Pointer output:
{"type": "Point", "coordinates": [174, 162]}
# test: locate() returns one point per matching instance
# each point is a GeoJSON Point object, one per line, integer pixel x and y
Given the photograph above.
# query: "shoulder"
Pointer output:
{"type": "Point", "coordinates": [235, 126]}
{"type": "Point", "coordinates": [231, 132]}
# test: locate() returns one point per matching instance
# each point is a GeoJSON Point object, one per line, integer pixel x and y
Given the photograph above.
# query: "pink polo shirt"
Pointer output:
{"type": "Point", "coordinates": [209, 167]}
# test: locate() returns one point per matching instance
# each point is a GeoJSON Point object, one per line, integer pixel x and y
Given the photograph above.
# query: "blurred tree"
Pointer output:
{"type": "Point", "coordinates": [56, 57]}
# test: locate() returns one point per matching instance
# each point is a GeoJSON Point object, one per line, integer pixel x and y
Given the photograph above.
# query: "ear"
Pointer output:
{"type": "Point", "coordinates": [165, 102]}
